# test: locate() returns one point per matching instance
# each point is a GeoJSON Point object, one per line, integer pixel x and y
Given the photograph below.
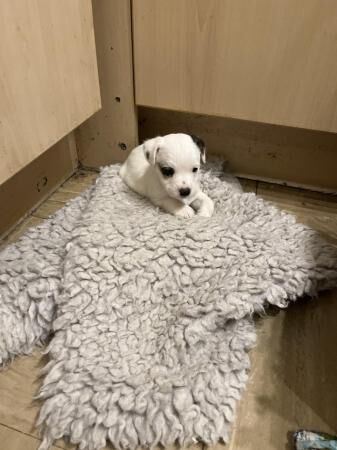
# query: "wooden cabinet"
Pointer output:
{"type": "Point", "coordinates": [48, 76]}
{"type": "Point", "coordinates": [262, 60]}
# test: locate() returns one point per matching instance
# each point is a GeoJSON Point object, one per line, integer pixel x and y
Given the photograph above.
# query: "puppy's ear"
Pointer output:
{"type": "Point", "coordinates": [151, 148]}
{"type": "Point", "coordinates": [202, 147]}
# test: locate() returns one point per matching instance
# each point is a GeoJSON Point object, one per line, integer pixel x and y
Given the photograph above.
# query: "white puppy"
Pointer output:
{"type": "Point", "coordinates": [166, 171]}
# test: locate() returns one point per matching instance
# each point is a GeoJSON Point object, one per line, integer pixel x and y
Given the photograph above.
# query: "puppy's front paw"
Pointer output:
{"type": "Point", "coordinates": [185, 211]}
{"type": "Point", "coordinates": [205, 213]}
{"type": "Point", "coordinates": [206, 210]}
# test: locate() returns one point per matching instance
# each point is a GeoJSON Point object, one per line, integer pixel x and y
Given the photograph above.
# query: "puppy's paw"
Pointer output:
{"type": "Point", "coordinates": [185, 211]}
{"type": "Point", "coordinates": [205, 213]}
{"type": "Point", "coordinates": [206, 210]}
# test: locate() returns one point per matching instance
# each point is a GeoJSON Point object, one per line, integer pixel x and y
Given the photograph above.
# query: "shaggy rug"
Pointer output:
{"type": "Point", "coordinates": [150, 316]}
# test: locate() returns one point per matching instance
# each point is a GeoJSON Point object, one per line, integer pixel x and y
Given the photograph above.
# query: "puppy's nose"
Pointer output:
{"type": "Point", "coordinates": [184, 192]}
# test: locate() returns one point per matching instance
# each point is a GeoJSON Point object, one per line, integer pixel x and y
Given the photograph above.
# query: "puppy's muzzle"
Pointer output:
{"type": "Point", "coordinates": [184, 192]}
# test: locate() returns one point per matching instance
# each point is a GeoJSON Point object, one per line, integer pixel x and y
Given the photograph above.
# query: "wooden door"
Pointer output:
{"type": "Point", "coordinates": [48, 76]}
{"type": "Point", "coordinates": [263, 60]}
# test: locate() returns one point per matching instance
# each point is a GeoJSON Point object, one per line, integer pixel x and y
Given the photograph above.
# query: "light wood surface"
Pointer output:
{"type": "Point", "coordinates": [311, 208]}
{"type": "Point", "coordinates": [74, 186]}
{"type": "Point", "coordinates": [20, 229]}
{"type": "Point", "coordinates": [49, 81]}
{"type": "Point", "coordinates": [299, 200]}
{"type": "Point", "coordinates": [294, 366]}
{"type": "Point", "coordinates": [254, 150]}
{"type": "Point", "coordinates": [14, 440]}
{"type": "Point", "coordinates": [18, 386]}
{"type": "Point", "coordinates": [79, 182]}
{"type": "Point", "coordinates": [264, 60]}
{"type": "Point", "coordinates": [111, 133]}
{"type": "Point", "coordinates": [29, 187]}
{"type": "Point", "coordinates": [53, 204]}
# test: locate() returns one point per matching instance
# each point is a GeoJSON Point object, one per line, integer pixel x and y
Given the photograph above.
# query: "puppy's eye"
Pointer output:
{"type": "Point", "coordinates": [167, 171]}
{"type": "Point", "coordinates": [195, 169]}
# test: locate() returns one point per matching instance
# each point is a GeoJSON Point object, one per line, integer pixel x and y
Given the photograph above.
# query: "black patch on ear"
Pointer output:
{"type": "Point", "coordinates": [200, 143]}
{"type": "Point", "coordinates": [147, 155]}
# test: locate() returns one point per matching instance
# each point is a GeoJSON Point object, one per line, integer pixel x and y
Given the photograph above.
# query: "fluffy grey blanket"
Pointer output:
{"type": "Point", "coordinates": [150, 315]}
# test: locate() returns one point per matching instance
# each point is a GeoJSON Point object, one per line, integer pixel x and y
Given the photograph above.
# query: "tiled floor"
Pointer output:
{"type": "Point", "coordinates": [293, 382]}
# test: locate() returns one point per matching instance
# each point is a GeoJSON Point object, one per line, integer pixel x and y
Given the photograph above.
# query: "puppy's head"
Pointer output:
{"type": "Point", "coordinates": [177, 159]}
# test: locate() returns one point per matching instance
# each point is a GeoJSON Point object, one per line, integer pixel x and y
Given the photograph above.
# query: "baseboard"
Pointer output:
{"type": "Point", "coordinates": [35, 182]}
{"type": "Point", "coordinates": [279, 154]}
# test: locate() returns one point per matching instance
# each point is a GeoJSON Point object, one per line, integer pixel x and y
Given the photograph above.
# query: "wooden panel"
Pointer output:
{"type": "Point", "coordinates": [48, 79]}
{"type": "Point", "coordinates": [35, 182]}
{"type": "Point", "coordinates": [254, 150]}
{"type": "Point", "coordinates": [263, 60]}
{"type": "Point", "coordinates": [111, 133]}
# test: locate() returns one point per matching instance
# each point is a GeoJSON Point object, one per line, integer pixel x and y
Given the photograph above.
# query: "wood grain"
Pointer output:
{"type": "Point", "coordinates": [49, 81]}
{"type": "Point", "coordinates": [314, 209]}
{"type": "Point", "coordinates": [263, 60]}
{"type": "Point", "coordinates": [266, 152]}
{"type": "Point", "coordinates": [80, 181]}
{"type": "Point", "coordinates": [112, 132]}
{"type": "Point", "coordinates": [18, 386]}
{"type": "Point", "coordinates": [304, 200]}
{"type": "Point", "coordinates": [14, 440]}
{"type": "Point", "coordinates": [47, 209]}
{"type": "Point", "coordinates": [22, 227]}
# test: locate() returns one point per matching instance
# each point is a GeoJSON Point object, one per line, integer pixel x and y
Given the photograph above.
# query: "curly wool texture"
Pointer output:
{"type": "Point", "coordinates": [151, 314]}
